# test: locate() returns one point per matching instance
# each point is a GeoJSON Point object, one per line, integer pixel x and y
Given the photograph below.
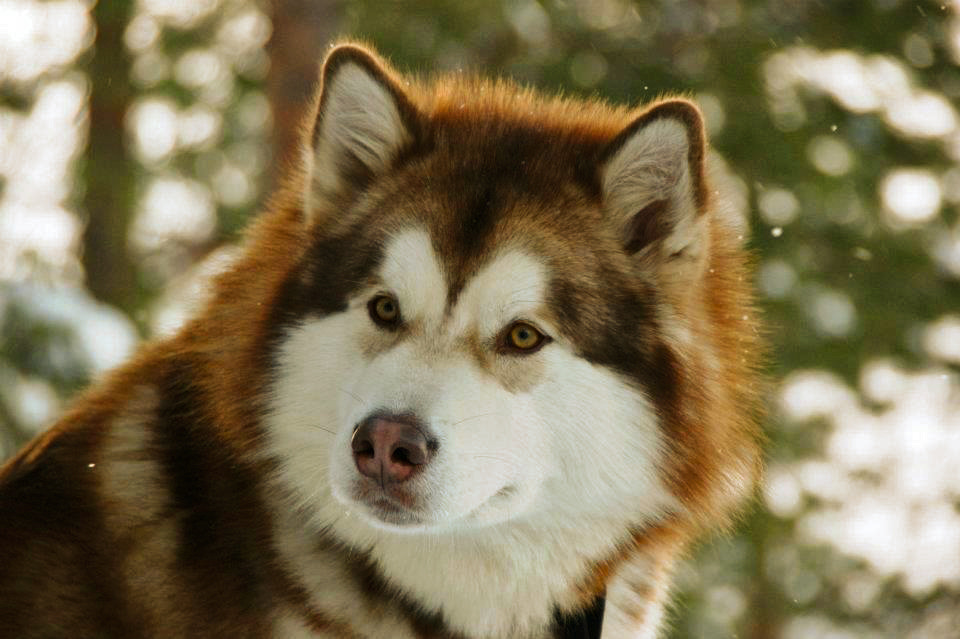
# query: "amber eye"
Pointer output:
{"type": "Point", "coordinates": [385, 311]}
{"type": "Point", "coordinates": [523, 337]}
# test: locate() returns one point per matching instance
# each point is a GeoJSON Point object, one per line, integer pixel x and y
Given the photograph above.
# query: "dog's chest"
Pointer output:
{"type": "Point", "coordinates": [438, 598]}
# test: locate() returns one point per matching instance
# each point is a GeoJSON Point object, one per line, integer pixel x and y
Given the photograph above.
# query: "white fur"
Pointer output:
{"type": "Point", "coordinates": [317, 569]}
{"type": "Point", "coordinates": [510, 287]}
{"type": "Point", "coordinates": [411, 272]}
{"type": "Point", "coordinates": [634, 594]}
{"type": "Point", "coordinates": [653, 165]}
{"type": "Point", "coordinates": [527, 488]}
{"type": "Point", "coordinates": [360, 118]}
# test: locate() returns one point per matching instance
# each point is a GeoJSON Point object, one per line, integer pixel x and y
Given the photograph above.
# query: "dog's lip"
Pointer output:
{"type": "Point", "coordinates": [392, 499]}
{"type": "Point", "coordinates": [371, 491]}
{"type": "Point", "coordinates": [387, 505]}
{"type": "Point", "coordinates": [390, 512]}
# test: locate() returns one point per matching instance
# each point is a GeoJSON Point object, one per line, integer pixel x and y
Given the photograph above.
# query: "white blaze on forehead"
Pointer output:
{"type": "Point", "coordinates": [511, 286]}
{"type": "Point", "coordinates": [412, 272]}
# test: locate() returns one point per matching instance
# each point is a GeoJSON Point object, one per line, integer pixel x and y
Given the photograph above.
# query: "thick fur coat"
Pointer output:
{"type": "Point", "coordinates": [487, 360]}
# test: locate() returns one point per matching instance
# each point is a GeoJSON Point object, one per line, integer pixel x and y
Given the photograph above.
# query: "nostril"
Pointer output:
{"type": "Point", "coordinates": [363, 448]}
{"type": "Point", "coordinates": [401, 455]}
{"type": "Point", "coordinates": [412, 450]}
{"type": "Point", "coordinates": [362, 444]}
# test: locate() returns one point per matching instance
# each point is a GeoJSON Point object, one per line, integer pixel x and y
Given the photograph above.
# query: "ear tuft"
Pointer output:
{"type": "Point", "coordinates": [362, 124]}
{"type": "Point", "coordinates": [652, 178]}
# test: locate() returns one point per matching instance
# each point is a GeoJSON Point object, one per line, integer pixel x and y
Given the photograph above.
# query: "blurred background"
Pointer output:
{"type": "Point", "coordinates": [138, 137]}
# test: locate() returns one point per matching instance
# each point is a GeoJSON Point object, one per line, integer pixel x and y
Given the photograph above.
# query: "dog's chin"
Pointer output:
{"type": "Point", "coordinates": [410, 513]}
{"type": "Point", "coordinates": [388, 515]}
{"type": "Point", "coordinates": [394, 509]}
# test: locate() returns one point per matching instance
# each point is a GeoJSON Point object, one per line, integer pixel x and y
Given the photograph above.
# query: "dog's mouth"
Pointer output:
{"type": "Point", "coordinates": [390, 512]}
{"type": "Point", "coordinates": [402, 509]}
{"type": "Point", "coordinates": [390, 504]}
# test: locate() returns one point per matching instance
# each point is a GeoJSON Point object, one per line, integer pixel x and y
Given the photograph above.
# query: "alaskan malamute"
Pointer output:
{"type": "Point", "coordinates": [484, 368]}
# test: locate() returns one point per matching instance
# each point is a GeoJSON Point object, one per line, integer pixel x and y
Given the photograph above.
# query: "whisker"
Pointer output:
{"type": "Point", "coordinates": [328, 426]}
{"type": "Point", "coordinates": [494, 457]}
{"type": "Point", "coordinates": [476, 417]}
{"type": "Point", "coordinates": [351, 394]}
{"type": "Point", "coordinates": [326, 430]}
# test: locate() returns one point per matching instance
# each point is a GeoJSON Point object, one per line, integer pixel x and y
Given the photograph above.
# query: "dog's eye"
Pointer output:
{"type": "Point", "coordinates": [524, 338]}
{"type": "Point", "coordinates": [384, 311]}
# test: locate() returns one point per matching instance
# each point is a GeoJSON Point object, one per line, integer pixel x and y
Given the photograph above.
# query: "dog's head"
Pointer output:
{"type": "Point", "coordinates": [490, 322]}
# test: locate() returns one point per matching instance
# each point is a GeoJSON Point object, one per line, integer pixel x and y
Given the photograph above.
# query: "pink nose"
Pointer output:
{"type": "Point", "coordinates": [390, 449]}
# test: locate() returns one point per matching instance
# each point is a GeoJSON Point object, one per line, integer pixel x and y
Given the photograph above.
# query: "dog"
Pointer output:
{"type": "Point", "coordinates": [484, 368]}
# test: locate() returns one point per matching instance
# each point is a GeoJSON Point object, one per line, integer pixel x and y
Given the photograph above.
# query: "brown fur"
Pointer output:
{"type": "Point", "coordinates": [80, 557]}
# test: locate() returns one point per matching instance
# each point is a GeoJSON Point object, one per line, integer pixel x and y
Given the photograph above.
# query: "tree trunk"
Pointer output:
{"type": "Point", "coordinates": [301, 31]}
{"type": "Point", "coordinates": [108, 172]}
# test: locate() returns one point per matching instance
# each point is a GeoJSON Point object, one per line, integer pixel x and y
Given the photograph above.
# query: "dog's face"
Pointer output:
{"type": "Point", "coordinates": [503, 417]}
{"type": "Point", "coordinates": [471, 338]}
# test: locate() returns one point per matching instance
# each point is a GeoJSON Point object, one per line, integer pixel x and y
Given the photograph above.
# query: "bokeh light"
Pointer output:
{"type": "Point", "coordinates": [910, 196]}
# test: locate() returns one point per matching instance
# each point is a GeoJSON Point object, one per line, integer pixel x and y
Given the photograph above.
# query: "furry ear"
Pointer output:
{"type": "Point", "coordinates": [652, 178]}
{"type": "Point", "coordinates": [363, 122]}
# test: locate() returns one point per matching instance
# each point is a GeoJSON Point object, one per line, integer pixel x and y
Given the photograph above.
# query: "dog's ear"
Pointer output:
{"type": "Point", "coordinates": [362, 123]}
{"type": "Point", "coordinates": [652, 179]}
